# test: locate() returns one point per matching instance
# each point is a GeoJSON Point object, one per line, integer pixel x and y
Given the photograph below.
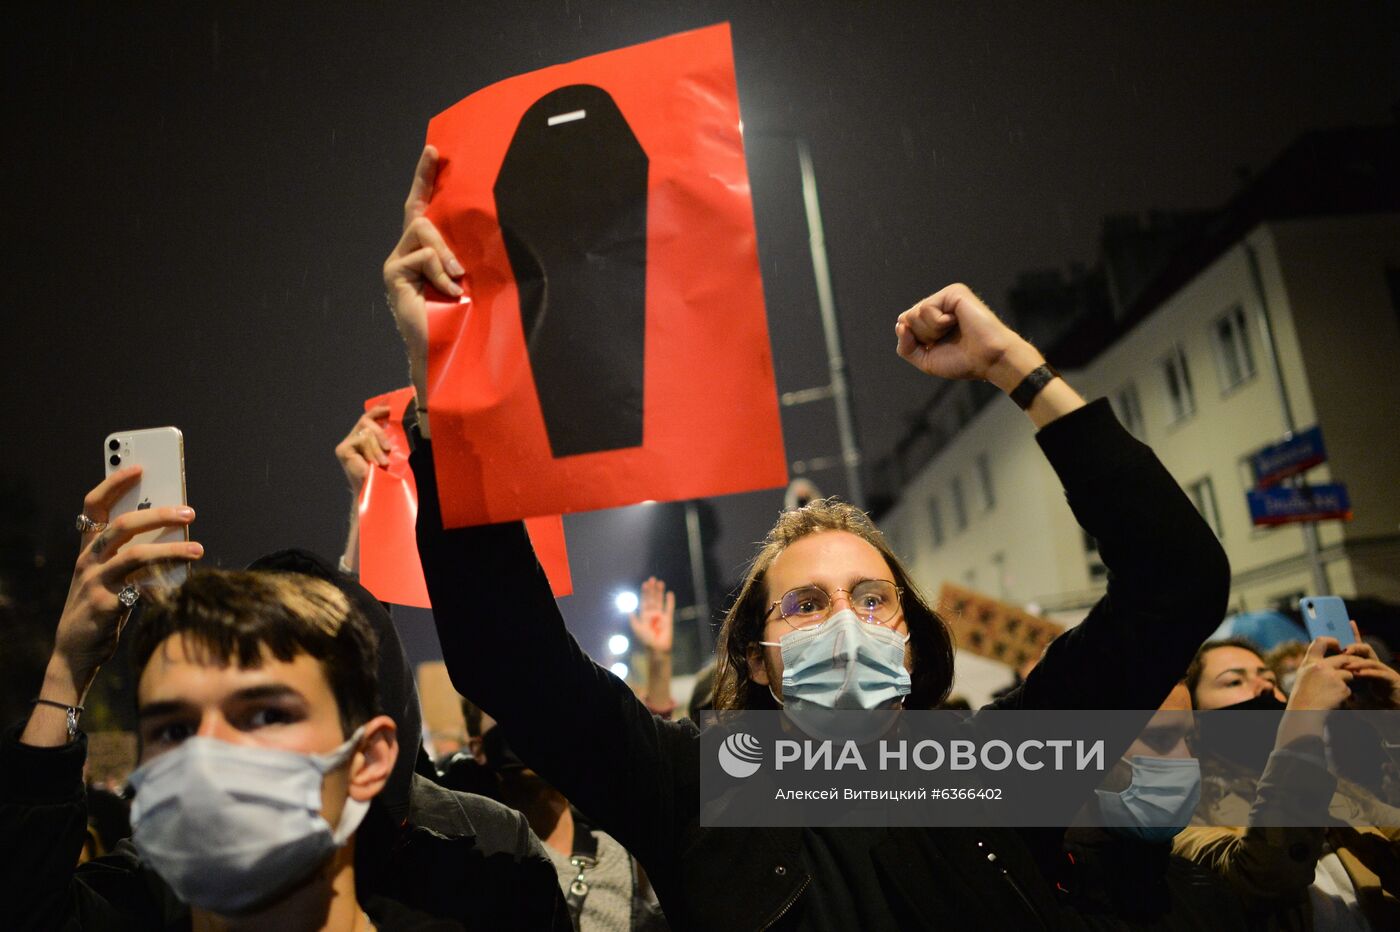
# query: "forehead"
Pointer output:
{"type": "Point", "coordinates": [179, 671]}
{"type": "Point", "coordinates": [827, 558]}
{"type": "Point", "coordinates": [1229, 658]}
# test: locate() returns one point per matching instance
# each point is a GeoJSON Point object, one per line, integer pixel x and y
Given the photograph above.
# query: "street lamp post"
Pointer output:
{"type": "Point", "coordinates": [826, 303]}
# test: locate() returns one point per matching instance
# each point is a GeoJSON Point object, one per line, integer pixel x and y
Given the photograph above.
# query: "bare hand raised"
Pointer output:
{"type": "Point", "coordinates": [367, 443]}
{"type": "Point", "coordinates": [92, 616]}
{"type": "Point", "coordinates": [1375, 685]}
{"type": "Point", "coordinates": [1323, 682]}
{"type": "Point", "coordinates": [953, 335]}
{"type": "Point", "coordinates": [653, 623]}
{"type": "Point", "coordinates": [419, 259]}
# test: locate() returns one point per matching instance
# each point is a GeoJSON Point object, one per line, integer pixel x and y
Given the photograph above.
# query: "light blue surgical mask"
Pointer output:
{"type": "Point", "coordinates": [843, 663]}
{"type": "Point", "coordinates": [1158, 803]}
{"type": "Point", "coordinates": [231, 827]}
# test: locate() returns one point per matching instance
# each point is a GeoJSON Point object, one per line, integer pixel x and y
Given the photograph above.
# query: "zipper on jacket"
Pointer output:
{"type": "Point", "coordinates": [787, 905]}
{"type": "Point", "coordinates": [1016, 887]}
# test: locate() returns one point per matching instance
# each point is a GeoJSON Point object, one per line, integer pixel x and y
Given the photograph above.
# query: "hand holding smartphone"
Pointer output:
{"type": "Point", "coordinates": [160, 452]}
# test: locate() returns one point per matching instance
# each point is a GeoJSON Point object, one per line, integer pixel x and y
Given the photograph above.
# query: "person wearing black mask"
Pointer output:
{"type": "Point", "coordinates": [1339, 877]}
{"type": "Point", "coordinates": [1231, 674]}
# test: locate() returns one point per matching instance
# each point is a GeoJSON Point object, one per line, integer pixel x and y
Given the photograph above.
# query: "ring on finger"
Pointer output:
{"type": "Point", "coordinates": [128, 595]}
{"type": "Point", "coordinates": [85, 524]}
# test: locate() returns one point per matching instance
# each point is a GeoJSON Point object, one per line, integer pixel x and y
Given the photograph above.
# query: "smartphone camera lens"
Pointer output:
{"type": "Point", "coordinates": [114, 444]}
{"type": "Point", "coordinates": [115, 460]}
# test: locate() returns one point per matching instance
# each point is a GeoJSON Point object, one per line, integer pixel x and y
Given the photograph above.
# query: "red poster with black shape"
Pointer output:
{"type": "Point", "coordinates": [611, 346]}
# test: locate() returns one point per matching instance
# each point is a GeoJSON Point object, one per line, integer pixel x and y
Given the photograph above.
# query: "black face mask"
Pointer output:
{"type": "Point", "coordinates": [1248, 746]}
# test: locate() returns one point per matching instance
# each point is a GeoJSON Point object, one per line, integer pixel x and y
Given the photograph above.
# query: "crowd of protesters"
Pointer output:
{"type": "Point", "coordinates": [283, 784]}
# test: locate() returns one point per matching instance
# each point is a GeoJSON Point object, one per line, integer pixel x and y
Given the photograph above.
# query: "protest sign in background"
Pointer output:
{"type": "Point", "coordinates": [389, 565]}
{"type": "Point", "coordinates": [992, 628]}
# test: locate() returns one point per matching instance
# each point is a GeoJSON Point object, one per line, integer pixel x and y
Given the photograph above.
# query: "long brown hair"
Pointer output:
{"type": "Point", "coordinates": [931, 645]}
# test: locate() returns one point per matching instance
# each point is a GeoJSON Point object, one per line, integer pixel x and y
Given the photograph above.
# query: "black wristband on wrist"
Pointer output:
{"type": "Point", "coordinates": [1039, 377]}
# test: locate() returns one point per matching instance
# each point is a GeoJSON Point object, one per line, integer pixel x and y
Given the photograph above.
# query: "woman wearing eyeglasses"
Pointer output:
{"type": "Point", "coordinates": [827, 616]}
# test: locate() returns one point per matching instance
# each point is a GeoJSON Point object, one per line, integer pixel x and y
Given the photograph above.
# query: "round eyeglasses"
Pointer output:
{"type": "Point", "coordinates": [875, 602]}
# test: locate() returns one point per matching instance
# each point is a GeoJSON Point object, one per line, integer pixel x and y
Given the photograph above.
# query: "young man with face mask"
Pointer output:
{"type": "Point", "coordinates": [636, 775]}
{"type": "Point", "coordinates": [449, 854]}
{"type": "Point", "coordinates": [262, 749]}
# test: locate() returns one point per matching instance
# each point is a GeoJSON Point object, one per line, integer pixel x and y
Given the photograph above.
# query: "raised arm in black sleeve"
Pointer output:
{"type": "Point", "coordinates": [576, 724]}
{"type": "Point", "coordinates": [1168, 582]}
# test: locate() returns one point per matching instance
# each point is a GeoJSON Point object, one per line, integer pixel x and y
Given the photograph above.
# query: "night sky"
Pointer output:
{"type": "Point", "coordinates": [197, 204]}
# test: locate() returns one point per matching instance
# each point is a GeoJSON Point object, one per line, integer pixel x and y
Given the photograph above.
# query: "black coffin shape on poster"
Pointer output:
{"type": "Point", "coordinates": [571, 198]}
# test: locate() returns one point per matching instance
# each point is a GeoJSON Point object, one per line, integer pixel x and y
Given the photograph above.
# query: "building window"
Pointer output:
{"type": "Point", "coordinates": [1202, 493]}
{"type": "Point", "coordinates": [935, 518]}
{"type": "Point", "coordinates": [984, 479]}
{"type": "Point", "coordinates": [1129, 409]}
{"type": "Point", "coordinates": [1180, 397]}
{"type": "Point", "coordinates": [1231, 337]}
{"type": "Point", "coordinates": [959, 506]}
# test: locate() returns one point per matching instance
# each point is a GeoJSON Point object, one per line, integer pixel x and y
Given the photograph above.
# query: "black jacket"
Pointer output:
{"type": "Point", "coordinates": [461, 856]}
{"type": "Point", "coordinates": [636, 775]}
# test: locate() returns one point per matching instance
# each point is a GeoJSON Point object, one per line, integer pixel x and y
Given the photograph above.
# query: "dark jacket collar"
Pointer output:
{"type": "Point", "coordinates": [438, 811]}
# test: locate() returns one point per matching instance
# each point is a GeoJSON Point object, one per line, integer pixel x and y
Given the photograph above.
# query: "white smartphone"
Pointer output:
{"type": "Point", "coordinates": [160, 452]}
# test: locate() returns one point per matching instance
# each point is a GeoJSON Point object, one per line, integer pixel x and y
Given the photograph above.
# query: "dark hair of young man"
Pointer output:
{"type": "Point", "coordinates": [230, 616]}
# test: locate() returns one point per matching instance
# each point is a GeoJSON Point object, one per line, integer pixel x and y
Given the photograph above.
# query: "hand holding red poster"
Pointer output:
{"type": "Point", "coordinates": [389, 565]}
{"type": "Point", "coordinates": [611, 346]}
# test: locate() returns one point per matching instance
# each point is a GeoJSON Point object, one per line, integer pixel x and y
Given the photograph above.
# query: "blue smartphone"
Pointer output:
{"type": "Point", "coordinates": [1326, 617]}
